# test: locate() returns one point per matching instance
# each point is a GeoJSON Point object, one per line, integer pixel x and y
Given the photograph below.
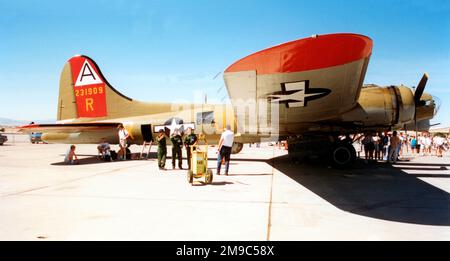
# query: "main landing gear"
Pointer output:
{"type": "Point", "coordinates": [237, 147]}
{"type": "Point", "coordinates": [342, 154]}
{"type": "Point", "coordinates": [339, 153]}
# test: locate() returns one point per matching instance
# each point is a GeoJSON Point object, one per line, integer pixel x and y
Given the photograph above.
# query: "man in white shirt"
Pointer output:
{"type": "Point", "coordinates": [224, 150]}
{"type": "Point", "coordinates": [422, 144]}
{"type": "Point", "coordinates": [439, 143]}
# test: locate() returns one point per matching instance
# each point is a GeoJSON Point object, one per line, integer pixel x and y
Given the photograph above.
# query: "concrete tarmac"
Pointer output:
{"type": "Point", "coordinates": [264, 198]}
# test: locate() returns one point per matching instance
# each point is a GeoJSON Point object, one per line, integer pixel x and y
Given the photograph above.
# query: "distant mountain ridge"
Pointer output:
{"type": "Point", "coordinates": [13, 122]}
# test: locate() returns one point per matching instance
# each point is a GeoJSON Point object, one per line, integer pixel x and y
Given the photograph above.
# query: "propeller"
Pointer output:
{"type": "Point", "coordinates": [418, 94]}
{"type": "Point", "coordinates": [420, 88]}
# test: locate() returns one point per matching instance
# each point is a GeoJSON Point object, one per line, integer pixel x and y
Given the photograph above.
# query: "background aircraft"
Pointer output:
{"type": "Point", "coordinates": [309, 90]}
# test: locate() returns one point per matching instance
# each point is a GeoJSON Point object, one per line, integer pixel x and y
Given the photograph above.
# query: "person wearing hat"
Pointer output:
{"type": "Point", "coordinates": [177, 144]}
{"type": "Point", "coordinates": [162, 149]}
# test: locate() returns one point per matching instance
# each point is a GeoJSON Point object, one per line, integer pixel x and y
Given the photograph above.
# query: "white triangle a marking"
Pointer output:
{"type": "Point", "coordinates": [87, 75]}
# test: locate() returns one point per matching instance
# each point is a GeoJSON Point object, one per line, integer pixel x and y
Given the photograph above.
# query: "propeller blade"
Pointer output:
{"type": "Point", "coordinates": [420, 88]}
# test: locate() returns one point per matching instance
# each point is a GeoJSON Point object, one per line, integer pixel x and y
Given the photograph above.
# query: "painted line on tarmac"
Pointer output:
{"type": "Point", "coordinates": [269, 217]}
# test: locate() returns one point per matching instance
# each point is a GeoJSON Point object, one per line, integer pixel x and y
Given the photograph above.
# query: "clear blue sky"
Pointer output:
{"type": "Point", "coordinates": [162, 50]}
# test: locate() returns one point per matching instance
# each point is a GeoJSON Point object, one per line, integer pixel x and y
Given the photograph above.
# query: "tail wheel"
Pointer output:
{"type": "Point", "coordinates": [343, 155]}
{"type": "Point", "coordinates": [237, 147]}
{"type": "Point", "coordinates": [208, 177]}
{"type": "Point", "coordinates": [190, 176]}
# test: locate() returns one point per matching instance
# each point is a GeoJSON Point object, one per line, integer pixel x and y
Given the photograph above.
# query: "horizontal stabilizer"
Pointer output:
{"type": "Point", "coordinates": [69, 127]}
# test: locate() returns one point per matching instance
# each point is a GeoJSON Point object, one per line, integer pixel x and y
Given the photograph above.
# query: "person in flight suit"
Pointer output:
{"type": "Point", "coordinates": [189, 140]}
{"type": "Point", "coordinates": [177, 144]}
{"type": "Point", "coordinates": [162, 149]}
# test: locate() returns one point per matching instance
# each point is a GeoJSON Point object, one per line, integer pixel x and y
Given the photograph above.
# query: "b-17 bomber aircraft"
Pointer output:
{"type": "Point", "coordinates": [309, 91]}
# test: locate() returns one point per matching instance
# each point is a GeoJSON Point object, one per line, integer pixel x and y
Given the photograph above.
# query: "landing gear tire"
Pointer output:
{"type": "Point", "coordinates": [237, 147]}
{"type": "Point", "coordinates": [342, 155]}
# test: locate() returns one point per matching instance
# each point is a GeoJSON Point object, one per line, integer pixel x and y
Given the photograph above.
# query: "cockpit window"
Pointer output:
{"type": "Point", "coordinates": [206, 117]}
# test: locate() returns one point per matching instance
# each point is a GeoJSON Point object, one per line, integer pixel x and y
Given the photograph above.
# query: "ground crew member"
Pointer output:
{"type": "Point", "coordinates": [162, 149]}
{"type": "Point", "coordinates": [189, 140]}
{"type": "Point", "coordinates": [177, 144]}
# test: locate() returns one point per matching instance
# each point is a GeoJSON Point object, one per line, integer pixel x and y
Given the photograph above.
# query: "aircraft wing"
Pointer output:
{"type": "Point", "coordinates": [306, 80]}
{"type": "Point", "coordinates": [70, 127]}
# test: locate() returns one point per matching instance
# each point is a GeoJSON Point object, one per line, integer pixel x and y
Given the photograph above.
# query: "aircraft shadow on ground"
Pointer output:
{"type": "Point", "coordinates": [85, 159]}
{"type": "Point", "coordinates": [376, 190]}
{"type": "Point", "coordinates": [241, 159]}
{"type": "Point", "coordinates": [93, 159]}
{"type": "Point", "coordinates": [214, 183]}
{"type": "Point", "coordinates": [252, 174]}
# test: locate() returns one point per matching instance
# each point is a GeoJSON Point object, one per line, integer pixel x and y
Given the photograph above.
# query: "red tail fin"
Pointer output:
{"type": "Point", "coordinates": [89, 87]}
